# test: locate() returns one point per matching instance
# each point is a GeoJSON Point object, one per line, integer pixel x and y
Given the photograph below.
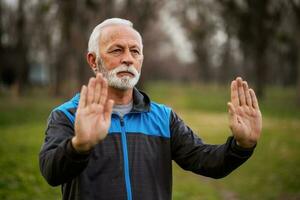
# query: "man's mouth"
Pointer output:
{"type": "Point", "coordinates": [125, 73]}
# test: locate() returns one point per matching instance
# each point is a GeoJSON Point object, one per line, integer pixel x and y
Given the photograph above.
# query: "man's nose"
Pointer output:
{"type": "Point", "coordinates": [127, 58]}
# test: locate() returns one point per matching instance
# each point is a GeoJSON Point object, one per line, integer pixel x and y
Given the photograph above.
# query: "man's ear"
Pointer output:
{"type": "Point", "coordinates": [92, 60]}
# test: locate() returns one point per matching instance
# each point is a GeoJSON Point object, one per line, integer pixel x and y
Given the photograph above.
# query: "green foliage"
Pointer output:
{"type": "Point", "coordinates": [271, 173]}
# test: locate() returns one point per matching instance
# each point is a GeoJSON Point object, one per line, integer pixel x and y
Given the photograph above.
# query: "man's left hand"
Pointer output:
{"type": "Point", "coordinates": [244, 115]}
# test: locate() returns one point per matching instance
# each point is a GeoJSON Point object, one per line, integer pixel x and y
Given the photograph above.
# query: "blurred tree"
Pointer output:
{"type": "Point", "coordinates": [66, 66]}
{"type": "Point", "coordinates": [1, 18]}
{"type": "Point", "coordinates": [144, 15]}
{"type": "Point", "coordinates": [22, 47]}
{"type": "Point", "coordinates": [141, 13]}
{"type": "Point", "coordinates": [45, 39]}
{"type": "Point", "coordinates": [65, 39]}
{"type": "Point", "coordinates": [69, 37]}
{"type": "Point", "coordinates": [230, 65]}
{"type": "Point", "coordinates": [257, 39]}
{"type": "Point", "coordinates": [241, 37]}
{"type": "Point", "coordinates": [254, 22]}
{"type": "Point", "coordinates": [14, 66]}
{"type": "Point", "coordinates": [197, 18]}
{"type": "Point", "coordinates": [296, 8]}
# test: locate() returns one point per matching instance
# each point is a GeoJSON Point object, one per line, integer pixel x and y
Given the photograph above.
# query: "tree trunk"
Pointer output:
{"type": "Point", "coordinates": [298, 70]}
{"type": "Point", "coordinates": [261, 74]}
{"type": "Point", "coordinates": [65, 69]}
{"type": "Point", "coordinates": [22, 48]}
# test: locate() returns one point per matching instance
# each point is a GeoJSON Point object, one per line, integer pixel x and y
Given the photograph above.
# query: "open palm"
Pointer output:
{"type": "Point", "coordinates": [93, 115]}
{"type": "Point", "coordinates": [244, 115]}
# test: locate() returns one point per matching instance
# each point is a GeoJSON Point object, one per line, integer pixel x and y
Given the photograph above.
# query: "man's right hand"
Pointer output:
{"type": "Point", "coordinates": [93, 115]}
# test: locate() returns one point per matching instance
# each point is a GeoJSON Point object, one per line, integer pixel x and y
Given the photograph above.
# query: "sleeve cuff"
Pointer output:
{"type": "Point", "coordinates": [241, 151]}
{"type": "Point", "coordinates": [74, 155]}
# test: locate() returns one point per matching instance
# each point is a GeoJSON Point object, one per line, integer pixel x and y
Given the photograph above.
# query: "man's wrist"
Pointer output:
{"type": "Point", "coordinates": [246, 145]}
{"type": "Point", "coordinates": [80, 148]}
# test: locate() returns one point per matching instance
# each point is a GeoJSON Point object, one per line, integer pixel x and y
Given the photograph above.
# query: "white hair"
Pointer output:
{"type": "Point", "coordinates": [93, 45]}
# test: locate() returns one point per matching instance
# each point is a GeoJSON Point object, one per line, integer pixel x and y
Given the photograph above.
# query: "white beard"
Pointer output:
{"type": "Point", "coordinates": [122, 83]}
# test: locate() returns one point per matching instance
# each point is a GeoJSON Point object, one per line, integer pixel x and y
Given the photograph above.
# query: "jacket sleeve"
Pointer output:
{"type": "Point", "coordinates": [59, 162]}
{"type": "Point", "coordinates": [190, 153]}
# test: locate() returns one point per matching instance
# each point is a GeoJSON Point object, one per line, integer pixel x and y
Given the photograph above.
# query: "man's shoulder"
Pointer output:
{"type": "Point", "coordinates": [160, 108]}
{"type": "Point", "coordinates": [159, 105]}
{"type": "Point", "coordinates": [68, 109]}
{"type": "Point", "coordinates": [70, 104]}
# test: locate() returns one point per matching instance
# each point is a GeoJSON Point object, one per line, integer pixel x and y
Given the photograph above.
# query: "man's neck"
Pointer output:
{"type": "Point", "coordinates": [120, 97]}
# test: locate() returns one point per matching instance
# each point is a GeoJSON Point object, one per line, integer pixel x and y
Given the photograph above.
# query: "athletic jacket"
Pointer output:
{"type": "Point", "coordinates": [134, 161]}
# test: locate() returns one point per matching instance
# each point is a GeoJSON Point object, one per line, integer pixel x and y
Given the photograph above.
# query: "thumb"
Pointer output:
{"type": "Point", "coordinates": [232, 115]}
{"type": "Point", "coordinates": [108, 109]}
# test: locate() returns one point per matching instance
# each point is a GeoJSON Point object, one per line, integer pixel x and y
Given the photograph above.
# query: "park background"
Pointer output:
{"type": "Point", "coordinates": [193, 49]}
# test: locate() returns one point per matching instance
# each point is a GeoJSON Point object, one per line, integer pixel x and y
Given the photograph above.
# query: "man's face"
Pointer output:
{"type": "Point", "coordinates": [121, 56]}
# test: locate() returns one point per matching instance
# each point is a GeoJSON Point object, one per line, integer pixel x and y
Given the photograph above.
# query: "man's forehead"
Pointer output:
{"type": "Point", "coordinates": [119, 32]}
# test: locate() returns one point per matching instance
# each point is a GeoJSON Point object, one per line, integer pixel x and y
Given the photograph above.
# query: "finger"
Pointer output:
{"type": "Point", "coordinates": [108, 109]}
{"type": "Point", "coordinates": [103, 95]}
{"type": "Point", "coordinates": [242, 98]}
{"type": "Point", "coordinates": [82, 100]}
{"type": "Point", "coordinates": [234, 94]}
{"type": "Point", "coordinates": [231, 108]}
{"type": "Point", "coordinates": [91, 91]}
{"type": "Point", "coordinates": [97, 88]}
{"type": "Point", "coordinates": [247, 93]}
{"type": "Point", "coordinates": [254, 99]}
{"type": "Point", "coordinates": [232, 115]}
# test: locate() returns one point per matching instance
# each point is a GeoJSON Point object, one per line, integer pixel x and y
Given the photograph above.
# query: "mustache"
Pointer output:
{"type": "Point", "coordinates": [123, 68]}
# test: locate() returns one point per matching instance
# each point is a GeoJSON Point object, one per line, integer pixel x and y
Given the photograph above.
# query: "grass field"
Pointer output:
{"type": "Point", "coordinates": [273, 171]}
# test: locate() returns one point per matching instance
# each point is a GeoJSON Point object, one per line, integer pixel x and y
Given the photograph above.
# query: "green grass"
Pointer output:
{"type": "Point", "coordinates": [271, 173]}
{"type": "Point", "coordinates": [20, 177]}
{"type": "Point", "coordinates": [22, 125]}
{"type": "Point", "coordinates": [278, 102]}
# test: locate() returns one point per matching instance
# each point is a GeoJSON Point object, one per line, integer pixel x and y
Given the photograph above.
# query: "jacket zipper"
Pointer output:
{"type": "Point", "coordinates": [125, 158]}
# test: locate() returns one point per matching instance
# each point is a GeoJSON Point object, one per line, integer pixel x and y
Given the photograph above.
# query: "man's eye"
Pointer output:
{"type": "Point", "coordinates": [116, 50]}
{"type": "Point", "coordinates": [135, 51]}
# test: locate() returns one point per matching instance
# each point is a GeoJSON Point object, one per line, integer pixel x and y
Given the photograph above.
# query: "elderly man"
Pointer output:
{"type": "Point", "coordinates": [111, 142]}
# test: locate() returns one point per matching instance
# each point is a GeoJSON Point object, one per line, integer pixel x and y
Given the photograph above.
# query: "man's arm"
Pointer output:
{"type": "Point", "coordinates": [245, 118]}
{"type": "Point", "coordinates": [59, 162]}
{"type": "Point", "coordinates": [192, 154]}
{"type": "Point", "coordinates": [219, 160]}
{"type": "Point", "coordinates": [66, 150]}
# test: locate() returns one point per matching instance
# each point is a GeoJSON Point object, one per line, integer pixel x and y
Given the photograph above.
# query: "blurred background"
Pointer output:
{"type": "Point", "coordinates": [192, 48]}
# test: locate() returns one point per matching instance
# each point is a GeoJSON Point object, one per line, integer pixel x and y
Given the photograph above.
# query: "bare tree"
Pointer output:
{"type": "Point", "coordinates": [14, 65]}
{"type": "Point", "coordinates": [71, 25]}
{"type": "Point", "coordinates": [254, 22]}
{"type": "Point", "coordinates": [296, 8]}
{"type": "Point", "coordinates": [197, 17]}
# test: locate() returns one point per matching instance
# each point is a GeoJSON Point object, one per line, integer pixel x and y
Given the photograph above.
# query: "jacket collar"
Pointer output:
{"type": "Point", "coordinates": [141, 102]}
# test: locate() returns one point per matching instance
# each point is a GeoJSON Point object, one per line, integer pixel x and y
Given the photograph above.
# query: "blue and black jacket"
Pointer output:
{"type": "Point", "coordinates": [134, 161]}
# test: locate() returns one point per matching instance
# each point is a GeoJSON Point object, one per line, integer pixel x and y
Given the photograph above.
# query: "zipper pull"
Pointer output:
{"type": "Point", "coordinates": [122, 121]}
